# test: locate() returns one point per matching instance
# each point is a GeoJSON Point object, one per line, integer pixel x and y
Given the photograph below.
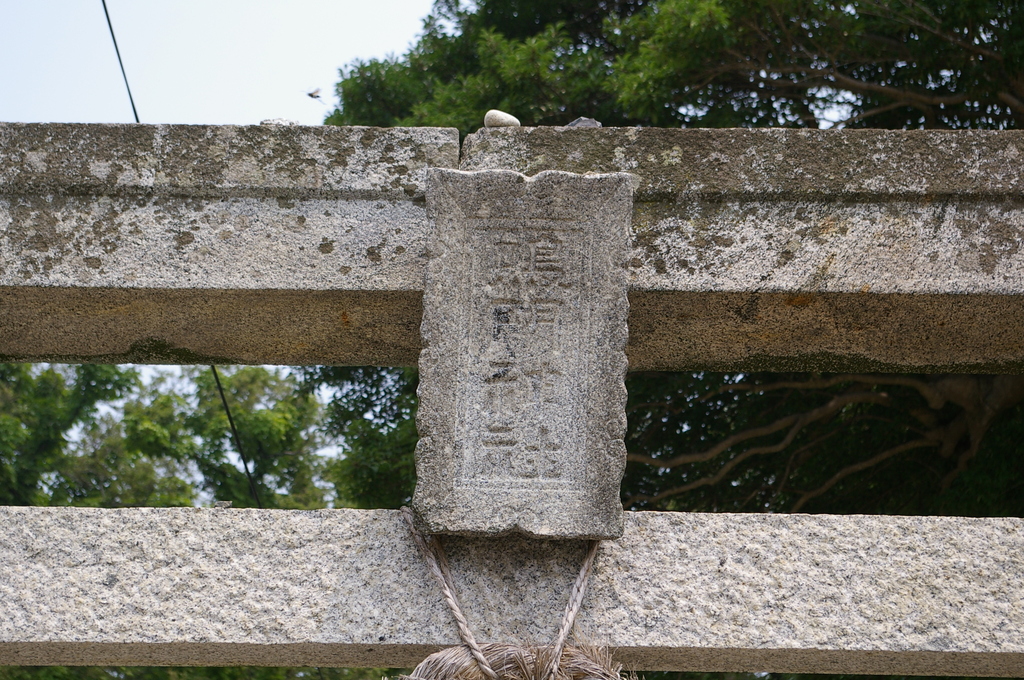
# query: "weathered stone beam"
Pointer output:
{"type": "Point", "coordinates": [192, 244]}
{"type": "Point", "coordinates": [785, 249]}
{"type": "Point", "coordinates": [702, 592]}
{"type": "Point", "coordinates": [846, 250]}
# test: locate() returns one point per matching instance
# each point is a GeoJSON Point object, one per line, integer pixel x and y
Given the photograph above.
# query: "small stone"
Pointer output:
{"type": "Point", "coordinates": [496, 118]}
{"type": "Point", "coordinates": [278, 121]}
{"type": "Point", "coordinates": [222, 504]}
{"type": "Point", "coordinates": [583, 121]}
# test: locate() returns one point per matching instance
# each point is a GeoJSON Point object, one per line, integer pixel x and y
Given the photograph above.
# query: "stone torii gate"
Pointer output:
{"type": "Point", "coordinates": [742, 249]}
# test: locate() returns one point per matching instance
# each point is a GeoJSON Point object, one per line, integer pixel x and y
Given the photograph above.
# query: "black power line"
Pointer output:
{"type": "Point", "coordinates": [121, 63]}
{"type": "Point", "coordinates": [216, 376]}
{"type": "Point", "coordinates": [238, 442]}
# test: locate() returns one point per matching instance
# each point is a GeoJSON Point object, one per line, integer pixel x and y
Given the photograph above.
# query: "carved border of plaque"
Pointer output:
{"type": "Point", "coordinates": [522, 394]}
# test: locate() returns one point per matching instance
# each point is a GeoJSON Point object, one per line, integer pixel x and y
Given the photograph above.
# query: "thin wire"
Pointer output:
{"type": "Point", "coordinates": [121, 63]}
{"type": "Point", "coordinates": [238, 442]}
{"type": "Point", "coordinates": [216, 377]}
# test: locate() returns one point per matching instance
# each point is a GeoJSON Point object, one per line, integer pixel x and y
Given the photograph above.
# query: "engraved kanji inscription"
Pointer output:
{"type": "Point", "coordinates": [521, 387]}
{"type": "Point", "coordinates": [516, 330]}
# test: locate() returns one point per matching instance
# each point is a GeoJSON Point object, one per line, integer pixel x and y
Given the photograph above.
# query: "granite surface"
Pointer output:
{"type": "Point", "coordinates": [195, 244]}
{"type": "Point", "coordinates": [698, 592]}
{"type": "Point", "coordinates": [863, 250]}
{"type": "Point", "coordinates": [521, 395]}
{"type": "Point", "coordinates": [854, 250]}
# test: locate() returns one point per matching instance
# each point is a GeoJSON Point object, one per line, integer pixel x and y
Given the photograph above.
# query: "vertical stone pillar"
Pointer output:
{"type": "Point", "coordinates": [522, 394]}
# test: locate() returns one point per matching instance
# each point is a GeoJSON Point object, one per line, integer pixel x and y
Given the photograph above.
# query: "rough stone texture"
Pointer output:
{"type": "Point", "coordinates": [826, 164]}
{"type": "Point", "coordinates": [108, 226]}
{"type": "Point", "coordinates": [199, 326]}
{"type": "Point", "coordinates": [221, 161]}
{"type": "Point", "coordinates": [522, 396]}
{"type": "Point", "coordinates": [779, 593]}
{"type": "Point", "coordinates": [860, 249]}
{"type": "Point", "coordinates": [751, 249]}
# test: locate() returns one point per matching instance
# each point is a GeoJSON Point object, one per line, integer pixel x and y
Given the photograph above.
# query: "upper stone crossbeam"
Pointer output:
{"type": "Point", "coordinates": [749, 249]}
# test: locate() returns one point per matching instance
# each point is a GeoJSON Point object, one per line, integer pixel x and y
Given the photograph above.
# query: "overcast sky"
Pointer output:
{"type": "Point", "coordinates": [190, 61]}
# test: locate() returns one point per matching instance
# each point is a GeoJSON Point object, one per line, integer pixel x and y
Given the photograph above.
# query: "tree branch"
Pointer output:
{"type": "Point", "coordinates": [951, 38]}
{"type": "Point", "coordinates": [857, 467]}
{"type": "Point", "coordinates": [867, 114]}
{"type": "Point", "coordinates": [1016, 105]}
{"type": "Point", "coordinates": [722, 446]}
{"type": "Point", "coordinates": [795, 423]}
{"type": "Point", "coordinates": [789, 464]}
{"type": "Point", "coordinates": [894, 93]}
{"type": "Point", "coordinates": [933, 396]}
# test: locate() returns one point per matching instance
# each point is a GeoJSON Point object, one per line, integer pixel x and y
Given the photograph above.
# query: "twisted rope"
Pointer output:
{"type": "Point", "coordinates": [437, 562]}
{"type": "Point", "coordinates": [572, 608]}
{"type": "Point", "coordinates": [433, 554]}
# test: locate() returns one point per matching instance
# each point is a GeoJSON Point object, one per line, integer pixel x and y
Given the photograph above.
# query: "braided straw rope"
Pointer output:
{"type": "Point", "coordinates": [434, 555]}
{"type": "Point", "coordinates": [579, 588]}
{"type": "Point", "coordinates": [473, 662]}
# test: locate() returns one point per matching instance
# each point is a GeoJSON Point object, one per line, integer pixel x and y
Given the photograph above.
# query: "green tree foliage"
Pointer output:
{"type": "Point", "coordinates": [546, 61]}
{"type": "Point", "coordinates": [163, 444]}
{"type": "Point", "coordinates": [372, 416]}
{"type": "Point", "coordinates": [275, 424]}
{"type": "Point", "coordinates": [892, 64]}
{"type": "Point", "coordinates": [39, 406]}
{"type": "Point", "coordinates": [708, 63]}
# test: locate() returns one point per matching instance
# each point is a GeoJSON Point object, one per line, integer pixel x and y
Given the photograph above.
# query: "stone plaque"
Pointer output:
{"type": "Point", "coordinates": [522, 394]}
